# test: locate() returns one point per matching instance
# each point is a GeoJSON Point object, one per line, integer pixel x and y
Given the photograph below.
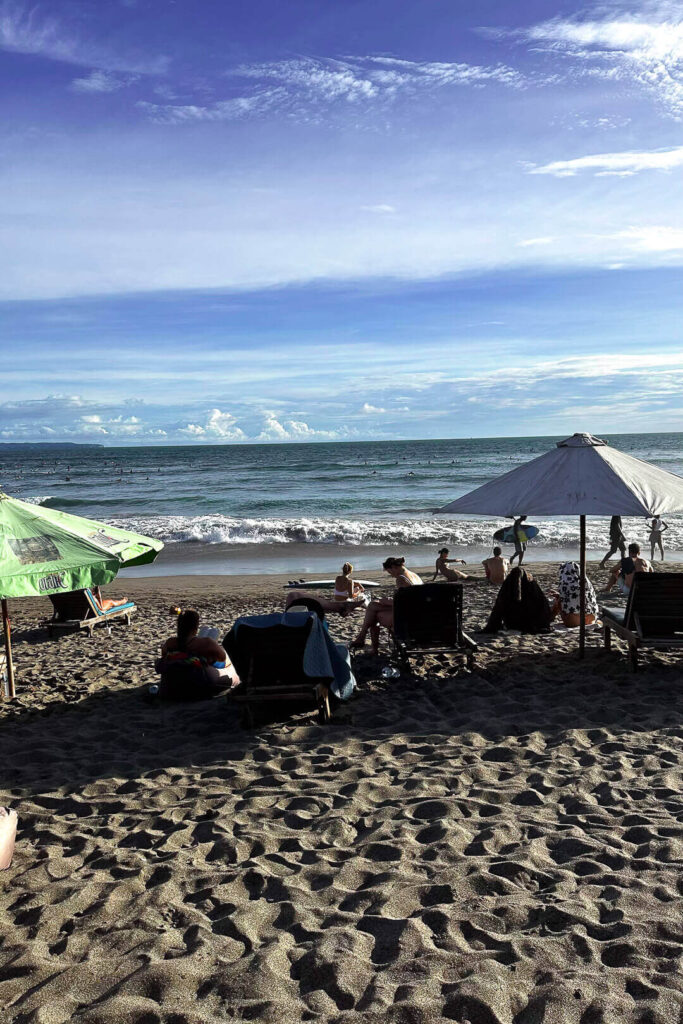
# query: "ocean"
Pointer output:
{"type": "Point", "coordinates": [305, 508]}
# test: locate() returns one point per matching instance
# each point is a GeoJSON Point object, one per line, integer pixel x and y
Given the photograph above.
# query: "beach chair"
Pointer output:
{"type": "Point", "coordinates": [270, 664]}
{"type": "Point", "coordinates": [428, 620]}
{"type": "Point", "coordinates": [309, 604]}
{"type": "Point", "coordinates": [652, 618]}
{"type": "Point", "coordinates": [78, 609]}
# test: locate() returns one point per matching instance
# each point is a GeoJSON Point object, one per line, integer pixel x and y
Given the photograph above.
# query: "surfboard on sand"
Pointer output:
{"type": "Point", "coordinates": [323, 584]}
{"type": "Point", "coordinates": [507, 536]}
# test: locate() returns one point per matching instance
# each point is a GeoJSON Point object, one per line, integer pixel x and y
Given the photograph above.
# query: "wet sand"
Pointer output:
{"type": "Point", "coordinates": [500, 847]}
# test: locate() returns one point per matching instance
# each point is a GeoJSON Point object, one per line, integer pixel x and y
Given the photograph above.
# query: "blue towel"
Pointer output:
{"type": "Point", "coordinates": [322, 656]}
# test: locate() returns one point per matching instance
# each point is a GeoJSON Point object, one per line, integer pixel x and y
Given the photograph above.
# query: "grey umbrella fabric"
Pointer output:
{"type": "Point", "coordinates": [580, 476]}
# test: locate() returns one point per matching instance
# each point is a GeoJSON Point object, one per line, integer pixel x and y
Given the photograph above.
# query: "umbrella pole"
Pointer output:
{"type": "Point", "coordinates": [8, 649]}
{"type": "Point", "coordinates": [582, 586]}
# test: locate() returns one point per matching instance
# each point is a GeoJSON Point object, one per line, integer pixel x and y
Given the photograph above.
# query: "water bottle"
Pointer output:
{"type": "Point", "coordinates": [153, 690]}
{"type": "Point", "coordinates": [390, 672]}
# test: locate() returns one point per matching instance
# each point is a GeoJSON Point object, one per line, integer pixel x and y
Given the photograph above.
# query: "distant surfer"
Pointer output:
{"type": "Point", "coordinates": [519, 538]}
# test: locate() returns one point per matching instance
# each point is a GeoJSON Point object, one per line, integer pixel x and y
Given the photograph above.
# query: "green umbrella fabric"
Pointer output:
{"type": "Point", "coordinates": [44, 551]}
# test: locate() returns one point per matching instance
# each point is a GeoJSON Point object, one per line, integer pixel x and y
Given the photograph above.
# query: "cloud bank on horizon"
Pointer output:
{"type": "Point", "coordinates": [196, 159]}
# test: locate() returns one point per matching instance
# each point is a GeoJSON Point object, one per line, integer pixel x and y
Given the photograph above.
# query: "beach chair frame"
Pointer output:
{"type": "Point", "coordinates": [270, 666]}
{"type": "Point", "coordinates": [84, 612]}
{"type": "Point", "coordinates": [429, 620]}
{"type": "Point", "coordinates": [653, 617]}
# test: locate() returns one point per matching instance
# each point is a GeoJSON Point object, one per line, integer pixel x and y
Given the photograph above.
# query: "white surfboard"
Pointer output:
{"type": "Point", "coordinates": [323, 584]}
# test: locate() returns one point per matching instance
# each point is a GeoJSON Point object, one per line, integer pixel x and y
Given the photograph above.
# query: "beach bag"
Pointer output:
{"type": "Point", "coordinates": [8, 831]}
{"type": "Point", "coordinates": [183, 678]}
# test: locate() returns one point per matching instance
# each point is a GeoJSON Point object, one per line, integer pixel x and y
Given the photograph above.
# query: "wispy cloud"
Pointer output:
{"type": "Point", "coordinates": [645, 47]}
{"type": "Point", "coordinates": [225, 110]}
{"type": "Point", "coordinates": [379, 208]}
{"type": "Point", "coordinates": [27, 30]}
{"type": "Point", "coordinates": [614, 164]}
{"type": "Point", "coordinates": [101, 81]}
{"type": "Point", "coordinates": [654, 238]}
{"type": "Point", "coordinates": [309, 88]}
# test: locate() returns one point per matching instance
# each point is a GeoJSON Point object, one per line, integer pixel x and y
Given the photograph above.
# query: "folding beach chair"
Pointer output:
{"type": "Point", "coordinates": [270, 663]}
{"type": "Point", "coordinates": [428, 620]}
{"type": "Point", "coordinates": [79, 610]}
{"type": "Point", "coordinates": [652, 618]}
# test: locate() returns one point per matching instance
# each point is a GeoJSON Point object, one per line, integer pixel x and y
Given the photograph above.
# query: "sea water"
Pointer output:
{"type": "Point", "coordinates": [303, 508]}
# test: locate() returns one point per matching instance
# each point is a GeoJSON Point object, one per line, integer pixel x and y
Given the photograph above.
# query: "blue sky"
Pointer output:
{"type": "Point", "coordinates": [339, 220]}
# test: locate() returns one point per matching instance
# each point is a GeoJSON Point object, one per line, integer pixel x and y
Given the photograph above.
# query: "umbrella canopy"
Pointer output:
{"type": "Point", "coordinates": [580, 476]}
{"type": "Point", "coordinates": [43, 551]}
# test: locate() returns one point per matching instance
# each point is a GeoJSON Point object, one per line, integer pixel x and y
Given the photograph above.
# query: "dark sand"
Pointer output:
{"type": "Point", "coordinates": [502, 847]}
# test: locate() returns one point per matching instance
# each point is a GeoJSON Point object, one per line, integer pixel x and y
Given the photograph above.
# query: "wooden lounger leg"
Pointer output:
{"type": "Point", "coordinates": [633, 657]}
{"type": "Point", "coordinates": [608, 638]}
{"type": "Point", "coordinates": [324, 712]}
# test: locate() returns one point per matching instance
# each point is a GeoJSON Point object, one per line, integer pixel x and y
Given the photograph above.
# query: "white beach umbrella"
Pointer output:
{"type": "Point", "coordinates": [580, 476]}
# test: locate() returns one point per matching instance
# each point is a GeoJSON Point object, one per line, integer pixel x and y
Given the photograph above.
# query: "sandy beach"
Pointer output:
{"type": "Point", "coordinates": [500, 847]}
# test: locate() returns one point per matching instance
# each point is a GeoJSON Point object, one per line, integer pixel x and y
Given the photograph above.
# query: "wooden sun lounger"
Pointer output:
{"type": "Point", "coordinates": [79, 610]}
{"type": "Point", "coordinates": [652, 618]}
{"type": "Point", "coordinates": [428, 620]}
{"type": "Point", "coordinates": [270, 666]}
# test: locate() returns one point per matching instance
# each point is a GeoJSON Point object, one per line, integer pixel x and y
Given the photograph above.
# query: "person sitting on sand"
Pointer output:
{"type": "Point", "coordinates": [105, 604]}
{"type": "Point", "coordinates": [520, 604]}
{"type": "Point", "coordinates": [381, 613]}
{"type": "Point", "coordinates": [496, 567]}
{"type": "Point", "coordinates": [441, 567]}
{"type": "Point", "coordinates": [567, 602]}
{"type": "Point", "coordinates": [212, 657]}
{"type": "Point", "coordinates": [623, 573]}
{"type": "Point", "coordinates": [344, 587]}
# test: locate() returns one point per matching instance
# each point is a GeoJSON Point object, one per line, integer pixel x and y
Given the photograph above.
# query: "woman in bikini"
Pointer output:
{"type": "Point", "coordinates": [381, 613]}
{"type": "Point", "coordinates": [344, 587]}
{"type": "Point", "coordinates": [442, 569]}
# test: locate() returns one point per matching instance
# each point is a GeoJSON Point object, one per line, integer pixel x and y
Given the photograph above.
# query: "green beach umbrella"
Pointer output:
{"type": "Point", "coordinates": [44, 551]}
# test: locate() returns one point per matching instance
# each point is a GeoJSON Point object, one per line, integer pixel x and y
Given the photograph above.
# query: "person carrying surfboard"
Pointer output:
{"type": "Point", "coordinates": [519, 540]}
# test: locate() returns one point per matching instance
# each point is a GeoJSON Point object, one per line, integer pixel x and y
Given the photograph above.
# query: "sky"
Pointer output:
{"type": "Point", "coordinates": [339, 220]}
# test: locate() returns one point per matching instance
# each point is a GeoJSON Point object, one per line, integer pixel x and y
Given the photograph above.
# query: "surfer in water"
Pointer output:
{"type": "Point", "coordinates": [441, 567]}
{"type": "Point", "coordinates": [520, 545]}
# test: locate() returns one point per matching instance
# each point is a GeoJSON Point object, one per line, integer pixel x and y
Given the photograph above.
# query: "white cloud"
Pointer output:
{"type": "Point", "coordinates": [646, 48]}
{"type": "Point", "coordinates": [379, 208]}
{"type": "Point", "coordinates": [295, 430]}
{"type": "Point", "coordinates": [655, 238]}
{"type": "Point", "coordinates": [371, 409]}
{"type": "Point", "coordinates": [218, 426]}
{"type": "Point", "coordinates": [27, 30]}
{"type": "Point", "coordinates": [99, 81]}
{"type": "Point", "coordinates": [544, 240]}
{"type": "Point", "coordinates": [620, 164]}
{"type": "Point", "coordinates": [91, 419]}
{"type": "Point", "coordinates": [225, 110]}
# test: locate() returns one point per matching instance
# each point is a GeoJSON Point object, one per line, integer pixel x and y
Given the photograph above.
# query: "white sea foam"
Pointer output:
{"type": "Point", "coordinates": [228, 530]}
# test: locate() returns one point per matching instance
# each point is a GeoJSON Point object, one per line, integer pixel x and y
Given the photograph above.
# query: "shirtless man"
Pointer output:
{"type": "Point", "coordinates": [496, 567]}
{"type": "Point", "coordinates": [622, 574]}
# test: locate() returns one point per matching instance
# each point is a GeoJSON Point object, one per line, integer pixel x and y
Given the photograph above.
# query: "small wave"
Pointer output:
{"type": "Point", "coordinates": [37, 499]}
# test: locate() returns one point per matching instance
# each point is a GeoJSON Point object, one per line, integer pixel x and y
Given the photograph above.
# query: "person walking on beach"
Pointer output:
{"type": "Point", "coordinates": [617, 541]}
{"type": "Point", "coordinates": [441, 567]}
{"type": "Point", "coordinates": [520, 545]}
{"type": "Point", "coordinates": [657, 528]}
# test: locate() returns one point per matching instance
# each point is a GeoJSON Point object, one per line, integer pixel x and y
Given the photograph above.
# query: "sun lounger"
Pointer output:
{"type": "Point", "coordinates": [428, 620]}
{"type": "Point", "coordinates": [652, 618]}
{"type": "Point", "coordinates": [271, 661]}
{"type": "Point", "coordinates": [79, 610]}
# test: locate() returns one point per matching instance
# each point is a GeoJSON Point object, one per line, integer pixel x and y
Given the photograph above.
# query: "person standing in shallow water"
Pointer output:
{"type": "Point", "coordinates": [617, 541]}
{"type": "Point", "coordinates": [657, 528]}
